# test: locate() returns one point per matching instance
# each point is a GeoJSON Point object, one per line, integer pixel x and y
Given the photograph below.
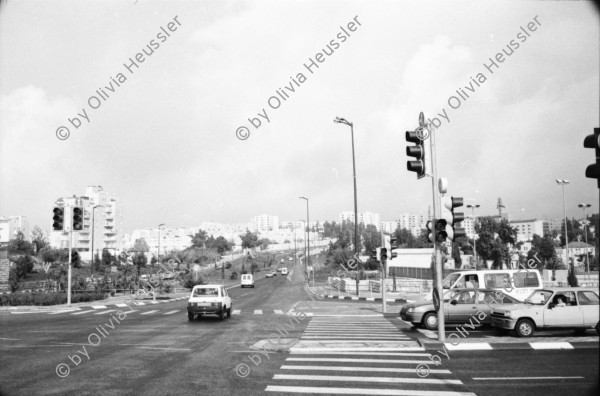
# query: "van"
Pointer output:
{"type": "Point", "coordinates": [515, 283]}
{"type": "Point", "coordinates": [247, 280]}
{"type": "Point", "coordinates": [284, 271]}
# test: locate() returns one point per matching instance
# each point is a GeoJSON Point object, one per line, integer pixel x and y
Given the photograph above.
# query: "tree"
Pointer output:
{"type": "Point", "coordinates": [51, 255]}
{"type": "Point", "coordinates": [75, 259]}
{"type": "Point", "coordinates": [139, 260]}
{"type": "Point", "coordinates": [220, 244]}
{"type": "Point", "coordinates": [263, 243]}
{"type": "Point", "coordinates": [39, 239]}
{"type": "Point", "coordinates": [249, 240]}
{"type": "Point", "coordinates": [493, 240]}
{"type": "Point", "coordinates": [199, 239]}
{"type": "Point", "coordinates": [107, 258]}
{"type": "Point", "coordinates": [19, 245]}
{"type": "Point", "coordinates": [371, 238]}
{"type": "Point", "coordinates": [140, 245]}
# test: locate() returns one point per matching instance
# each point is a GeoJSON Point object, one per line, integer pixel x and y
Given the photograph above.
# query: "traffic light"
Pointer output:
{"type": "Point", "coordinates": [383, 254]}
{"type": "Point", "coordinates": [393, 246]}
{"type": "Point", "coordinates": [593, 141]}
{"type": "Point", "coordinates": [417, 151]}
{"type": "Point", "coordinates": [451, 219]}
{"type": "Point", "coordinates": [58, 219]}
{"type": "Point", "coordinates": [430, 231]}
{"type": "Point", "coordinates": [77, 218]}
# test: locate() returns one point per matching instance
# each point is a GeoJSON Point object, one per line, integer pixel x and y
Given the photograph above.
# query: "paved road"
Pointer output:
{"type": "Point", "coordinates": [327, 347]}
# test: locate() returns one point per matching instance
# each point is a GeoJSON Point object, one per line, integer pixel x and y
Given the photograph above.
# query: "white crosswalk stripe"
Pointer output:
{"type": "Point", "coordinates": [258, 312]}
{"type": "Point", "coordinates": [81, 312]}
{"type": "Point", "coordinates": [236, 312]}
{"type": "Point", "coordinates": [362, 355]}
{"type": "Point", "coordinates": [172, 312]}
{"type": "Point", "coordinates": [278, 312]}
{"type": "Point", "coordinates": [149, 312]}
{"type": "Point", "coordinates": [104, 312]}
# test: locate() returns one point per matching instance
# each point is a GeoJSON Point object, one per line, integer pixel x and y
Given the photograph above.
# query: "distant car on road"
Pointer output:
{"type": "Point", "coordinates": [462, 306]}
{"type": "Point", "coordinates": [278, 269]}
{"type": "Point", "coordinates": [290, 258]}
{"type": "Point", "coordinates": [209, 300]}
{"type": "Point", "coordinates": [144, 278]}
{"type": "Point", "coordinates": [247, 280]}
{"type": "Point", "coordinates": [284, 271]}
{"type": "Point", "coordinates": [550, 308]}
{"type": "Point", "coordinates": [270, 275]}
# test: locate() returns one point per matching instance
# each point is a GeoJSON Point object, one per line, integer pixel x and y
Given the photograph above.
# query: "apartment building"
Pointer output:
{"type": "Point", "coordinates": [10, 226]}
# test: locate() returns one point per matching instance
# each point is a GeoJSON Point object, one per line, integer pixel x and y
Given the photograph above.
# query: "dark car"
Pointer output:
{"type": "Point", "coordinates": [463, 305]}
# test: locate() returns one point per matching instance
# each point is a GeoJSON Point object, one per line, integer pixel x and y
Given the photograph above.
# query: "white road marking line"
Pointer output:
{"type": "Point", "coordinates": [312, 352]}
{"type": "Point", "coordinates": [258, 312]}
{"type": "Point", "coordinates": [10, 339]}
{"type": "Point", "coordinates": [551, 345]}
{"type": "Point", "coordinates": [99, 306]}
{"type": "Point", "coordinates": [121, 305]}
{"type": "Point", "coordinates": [166, 349]}
{"type": "Point", "coordinates": [389, 380]}
{"type": "Point", "coordinates": [236, 312]}
{"type": "Point", "coordinates": [472, 346]}
{"type": "Point", "coordinates": [521, 378]}
{"type": "Point", "coordinates": [349, 368]}
{"type": "Point", "coordinates": [59, 312]}
{"type": "Point", "coordinates": [81, 312]}
{"type": "Point", "coordinates": [172, 312]}
{"type": "Point", "coordinates": [149, 312]}
{"type": "Point", "coordinates": [141, 303]}
{"type": "Point", "coordinates": [279, 312]}
{"type": "Point", "coordinates": [361, 391]}
{"type": "Point", "coordinates": [104, 312]}
{"type": "Point", "coordinates": [351, 360]}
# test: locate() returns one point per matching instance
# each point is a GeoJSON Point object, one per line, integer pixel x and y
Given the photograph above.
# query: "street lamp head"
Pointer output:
{"type": "Point", "coordinates": [340, 120]}
{"type": "Point", "coordinates": [582, 205]}
{"type": "Point", "coordinates": [562, 181]}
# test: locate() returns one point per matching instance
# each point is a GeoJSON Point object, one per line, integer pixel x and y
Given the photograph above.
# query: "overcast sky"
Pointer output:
{"type": "Point", "coordinates": [165, 140]}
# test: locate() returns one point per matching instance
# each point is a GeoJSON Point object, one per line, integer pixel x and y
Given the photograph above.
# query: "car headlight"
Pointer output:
{"type": "Point", "coordinates": [410, 310]}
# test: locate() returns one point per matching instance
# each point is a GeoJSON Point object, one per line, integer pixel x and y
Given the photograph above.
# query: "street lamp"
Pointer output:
{"type": "Point", "coordinates": [562, 183]}
{"type": "Point", "coordinates": [308, 237]}
{"type": "Point", "coordinates": [473, 207]}
{"type": "Point", "coordinates": [158, 252]}
{"type": "Point", "coordinates": [93, 229]}
{"type": "Point", "coordinates": [339, 120]}
{"type": "Point", "coordinates": [585, 223]}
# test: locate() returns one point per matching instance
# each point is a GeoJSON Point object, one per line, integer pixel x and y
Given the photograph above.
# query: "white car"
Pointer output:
{"type": "Point", "coordinates": [556, 307]}
{"type": "Point", "coordinates": [209, 300]}
{"type": "Point", "coordinates": [247, 280]}
{"type": "Point", "coordinates": [284, 271]}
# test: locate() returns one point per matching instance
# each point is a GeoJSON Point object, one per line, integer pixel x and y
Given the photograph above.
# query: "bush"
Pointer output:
{"type": "Point", "coordinates": [234, 275]}
{"type": "Point", "coordinates": [15, 299]}
{"type": "Point", "coordinates": [189, 281]}
{"type": "Point", "coordinates": [227, 265]}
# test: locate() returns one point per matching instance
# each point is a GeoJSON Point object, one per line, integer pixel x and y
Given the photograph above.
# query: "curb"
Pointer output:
{"type": "Point", "coordinates": [429, 345]}
{"type": "Point", "coordinates": [399, 300]}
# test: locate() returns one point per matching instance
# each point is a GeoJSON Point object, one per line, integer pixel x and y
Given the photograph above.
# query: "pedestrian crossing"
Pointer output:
{"type": "Point", "coordinates": [361, 356]}
{"type": "Point", "coordinates": [103, 310]}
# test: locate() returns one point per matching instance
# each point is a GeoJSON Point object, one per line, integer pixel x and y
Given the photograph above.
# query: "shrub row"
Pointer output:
{"type": "Point", "coordinates": [15, 299]}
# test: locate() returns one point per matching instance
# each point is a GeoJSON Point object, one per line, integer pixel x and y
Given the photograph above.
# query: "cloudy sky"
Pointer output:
{"type": "Point", "coordinates": [165, 140]}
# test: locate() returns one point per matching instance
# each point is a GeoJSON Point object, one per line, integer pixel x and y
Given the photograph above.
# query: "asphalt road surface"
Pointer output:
{"type": "Point", "coordinates": [339, 347]}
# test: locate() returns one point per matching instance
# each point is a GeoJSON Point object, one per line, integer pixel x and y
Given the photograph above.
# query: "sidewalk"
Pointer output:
{"type": "Point", "coordinates": [399, 297]}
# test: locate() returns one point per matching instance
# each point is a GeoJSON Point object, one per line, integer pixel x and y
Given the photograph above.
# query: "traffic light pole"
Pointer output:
{"type": "Point", "coordinates": [70, 249]}
{"type": "Point", "coordinates": [383, 282]}
{"type": "Point", "coordinates": [437, 251]}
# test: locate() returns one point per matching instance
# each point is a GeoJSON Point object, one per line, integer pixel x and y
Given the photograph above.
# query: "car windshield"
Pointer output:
{"type": "Point", "coordinates": [449, 280]}
{"type": "Point", "coordinates": [206, 292]}
{"type": "Point", "coordinates": [538, 297]}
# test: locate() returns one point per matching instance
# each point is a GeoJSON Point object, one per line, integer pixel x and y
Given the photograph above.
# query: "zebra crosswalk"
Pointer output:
{"type": "Point", "coordinates": [102, 311]}
{"type": "Point", "coordinates": [361, 356]}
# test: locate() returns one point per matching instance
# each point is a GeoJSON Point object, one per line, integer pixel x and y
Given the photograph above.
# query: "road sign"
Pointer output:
{"type": "Point", "coordinates": [436, 300]}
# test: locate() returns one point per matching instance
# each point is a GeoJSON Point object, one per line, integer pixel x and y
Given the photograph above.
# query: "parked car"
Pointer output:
{"type": "Point", "coordinates": [270, 275]}
{"type": "Point", "coordinates": [284, 271]}
{"type": "Point", "coordinates": [278, 269]}
{"type": "Point", "coordinates": [144, 278]}
{"type": "Point", "coordinates": [462, 306]}
{"type": "Point", "coordinates": [209, 300]}
{"type": "Point", "coordinates": [247, 280]}
{"type": "Point", "coordinates": [550, 308]}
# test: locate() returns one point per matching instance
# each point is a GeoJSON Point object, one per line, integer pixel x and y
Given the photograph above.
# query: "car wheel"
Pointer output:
{"type": "Point", "coordinates": [430, 321]}
{"type": "Point", "coordinates": [190, 316]}
{"type": "Point", "coordinates": [580, 331]}
{"type": "Point", "coordinates": [222, 314]}
{"type": "Point", "coordinates": [229, 312]}
{"type": "Point", "coordinates": [415, 324]}
{"type": "Point", "coordinates": [525, 328]}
